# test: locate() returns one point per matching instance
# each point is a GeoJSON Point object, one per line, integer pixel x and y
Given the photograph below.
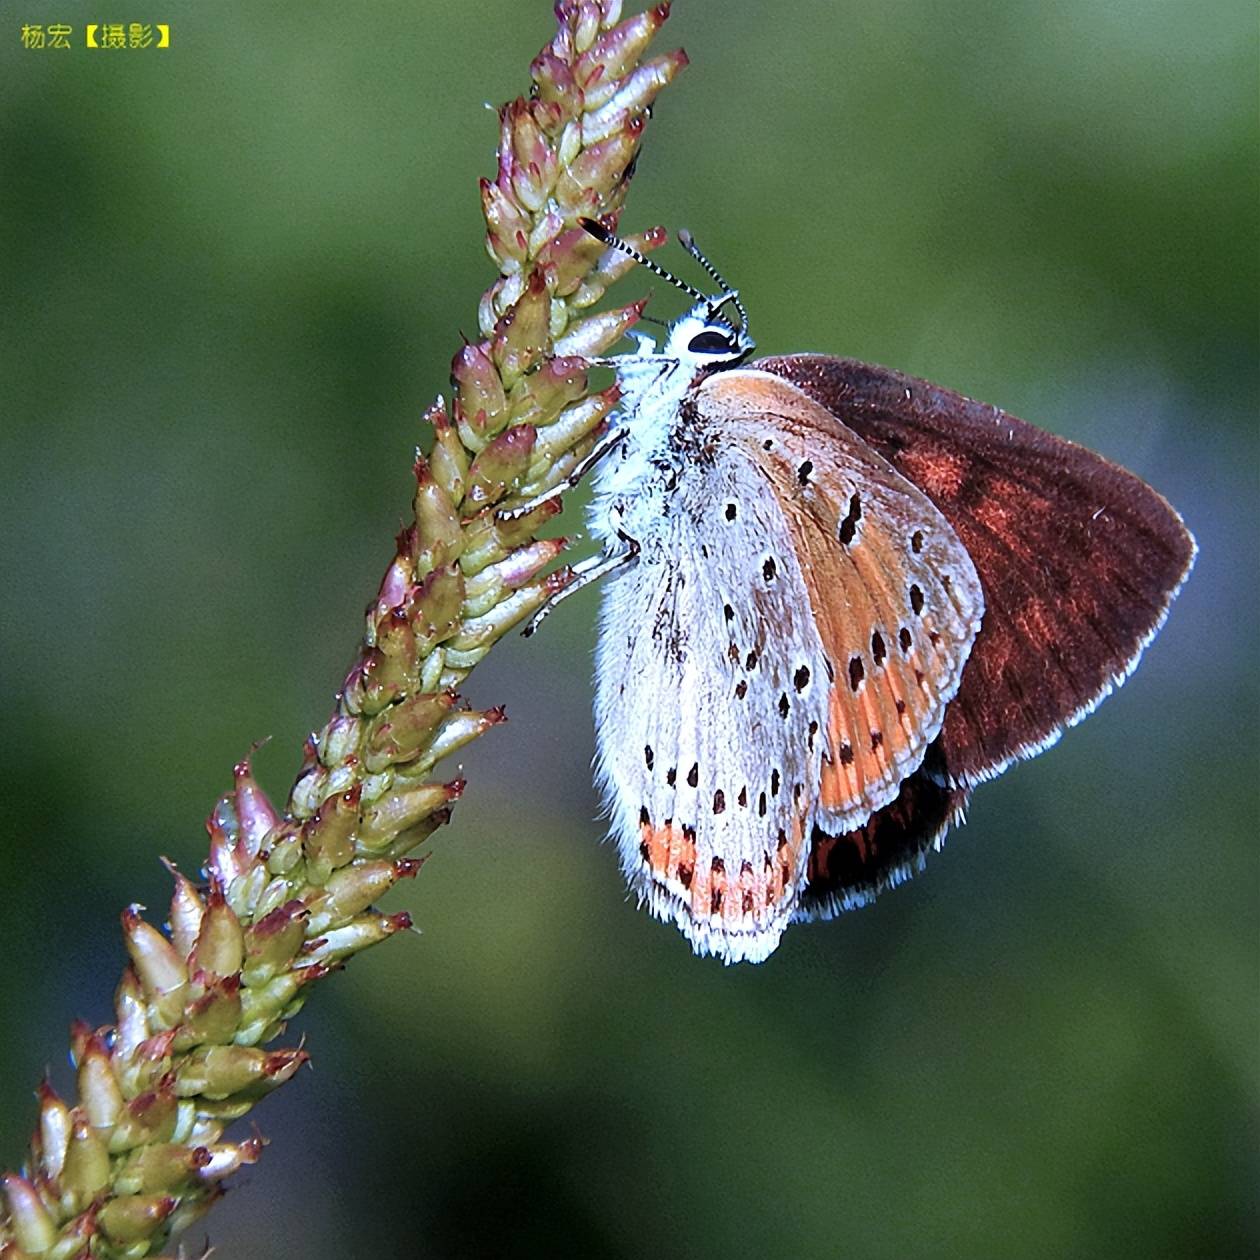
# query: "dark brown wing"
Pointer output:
{"type": "Point", "coordinates": [1078, 559]}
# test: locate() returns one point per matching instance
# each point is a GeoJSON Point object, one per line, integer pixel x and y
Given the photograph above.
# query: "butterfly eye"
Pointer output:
{"type": "Point", "coordinates": [710, 342]}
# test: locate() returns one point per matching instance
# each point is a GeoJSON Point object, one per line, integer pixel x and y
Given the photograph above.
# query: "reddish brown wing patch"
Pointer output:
{"type": "Point", "coordinates": [850, 869]}
{"type": "Point", "coordinates": [1078, 558]}
{"type": "Point", "coordinates": [894, 596]}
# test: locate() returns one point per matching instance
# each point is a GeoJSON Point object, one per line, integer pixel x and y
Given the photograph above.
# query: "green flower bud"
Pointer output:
{"type": "Point", "coordinates": [556, 82]}
{"type": "Point", "coordinates": [159, 1168]}
{"type": "Point", "coordinates": [615, 53]}
{"type": "Point", "coordinates": [522, 334]}
{"type": "Point", "coordinates": [213, 1017]}
{"type": "Point", "coordinates": [434, 608]}
{"type": "Point", "coordinates": [633, 95]}
{"type": "Point", "coordinates": [448, 460]}
{"type": "Point", "coordinates": [499, 467]}
{"type": "Point", "coordinates": [354, 888]}
{"type": "Point", "coordinates": [491, 585]}
{"type": "Point", "coordinates": [480, 403]}
{"type": "Point", "coordinates": [133, 1218]}
{"type": "Point", "coordinates": [149, 1117]}
{"type": "Point", "coordinates": [401, 731]}
{"type": "Point", "coordinates": [600, 168]}
{"type": "Point", "coordinates": [359, 934]}
{"type": "Point", "coordinates": [218, 1072]}
{"type": "Point", "coordinates": [33, 1228]}
{"type": "Point", "coordinates": [99, 1093]}
{"type": "Point", "coordinates": [86, 1171]}
{"type": "Point", "coordinates": [438, 537]}
{"type": "Point", "coordinates": [328, 837]}
{"type": "Point", "coordinates": [579, 421]}
{"type": "Point", "coordinates": [162, 973]}
{"type": "Point", "coordinates": [54, 1131]}
{"type": "Point", "coordinates": [273, 942]}
{"type": "Point", "coordinates": [541, 396]}
{"type": "Point", "coordinates": [397, 811]}
{"type": "Point", "coordinates": [596, 333]}
{"type": "Point", "coordinates": [507, 227]}
{"type": "Point", "coordinates": [220, 947]}
{"type": "Point", "coordinates": [480, 633]}
{"type": "Point", "coordinates": [186, 911]}
{"type": "Point", "coordinates": [462, 728]}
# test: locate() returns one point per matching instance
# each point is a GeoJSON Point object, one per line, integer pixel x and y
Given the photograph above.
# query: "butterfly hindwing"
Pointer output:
{"type": "Point", "coordinates": [703, 733]}
{"type": "Point", "coordinates": [1078, 558]}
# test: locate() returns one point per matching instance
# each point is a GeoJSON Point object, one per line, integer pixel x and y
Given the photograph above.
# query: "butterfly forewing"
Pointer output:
{"type": "Point", "coordinates": [893, 595]}
{"type": "Point", "coordinates": [1078, 558]}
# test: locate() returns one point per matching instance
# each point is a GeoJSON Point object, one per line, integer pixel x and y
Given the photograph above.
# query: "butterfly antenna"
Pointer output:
{"type": "Point", "coordinates": [687, 241]}
{"type": "Point", "coordinates": [601, 233]}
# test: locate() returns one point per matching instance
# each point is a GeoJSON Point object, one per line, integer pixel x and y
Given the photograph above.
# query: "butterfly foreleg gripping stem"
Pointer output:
{"type": "Point", "coordinates": [598, 451]}
{"type": "Point", "coordinates": [592, 569]}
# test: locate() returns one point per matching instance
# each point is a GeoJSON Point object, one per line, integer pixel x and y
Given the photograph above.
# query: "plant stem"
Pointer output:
{"type": "Point", "coordinates": [289, 895]}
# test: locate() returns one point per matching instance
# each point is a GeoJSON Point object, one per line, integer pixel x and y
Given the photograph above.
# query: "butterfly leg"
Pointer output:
{"type": "Point", "coordinates": [589, 570]}
{"type": "Point", "coordinates": [601, 448]}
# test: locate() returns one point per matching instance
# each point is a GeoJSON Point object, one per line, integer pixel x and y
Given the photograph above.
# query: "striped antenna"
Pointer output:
{"type": "Point", "coordinates": [601, 233]}
{"type": "Point", "coordinates": [688, 243]}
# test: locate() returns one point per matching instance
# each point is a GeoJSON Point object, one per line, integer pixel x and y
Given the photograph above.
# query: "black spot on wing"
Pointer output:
{"type": "Point", "coordinates": [848, 526]}
{"type": "Point", "coordinates": [857, 671]}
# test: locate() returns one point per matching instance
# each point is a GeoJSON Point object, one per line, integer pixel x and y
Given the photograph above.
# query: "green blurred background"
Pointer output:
{"type": "Point", "coordinates": [235, 272]}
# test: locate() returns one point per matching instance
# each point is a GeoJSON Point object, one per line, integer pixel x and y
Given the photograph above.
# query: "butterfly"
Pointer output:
{"type": "Point", "coordinates": [836, 599]}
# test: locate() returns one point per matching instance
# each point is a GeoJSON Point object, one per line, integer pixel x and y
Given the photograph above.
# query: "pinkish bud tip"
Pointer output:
{"type": "Point", "coordinates": [315, 971]}
{"type": "Point", "coordinates": [279, 919]}
{"type": "Point", "coordinates": [284, 1061]}
{"type": "Point", "coordinates": [157, 1047]}
{"type": "Point", "coordinates": [255, 811]}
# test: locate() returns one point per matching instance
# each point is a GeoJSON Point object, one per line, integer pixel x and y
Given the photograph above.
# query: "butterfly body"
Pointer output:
{"type": "Point", "coordinates": [838, 598]}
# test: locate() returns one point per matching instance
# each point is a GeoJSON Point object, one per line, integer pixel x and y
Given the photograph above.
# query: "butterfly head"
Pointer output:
{"type": "Point", "coordinates": [703, 338]}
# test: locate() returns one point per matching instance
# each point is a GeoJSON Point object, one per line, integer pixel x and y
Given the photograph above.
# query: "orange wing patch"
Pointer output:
{"type": "Point", "coordinates": [742, 900]}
